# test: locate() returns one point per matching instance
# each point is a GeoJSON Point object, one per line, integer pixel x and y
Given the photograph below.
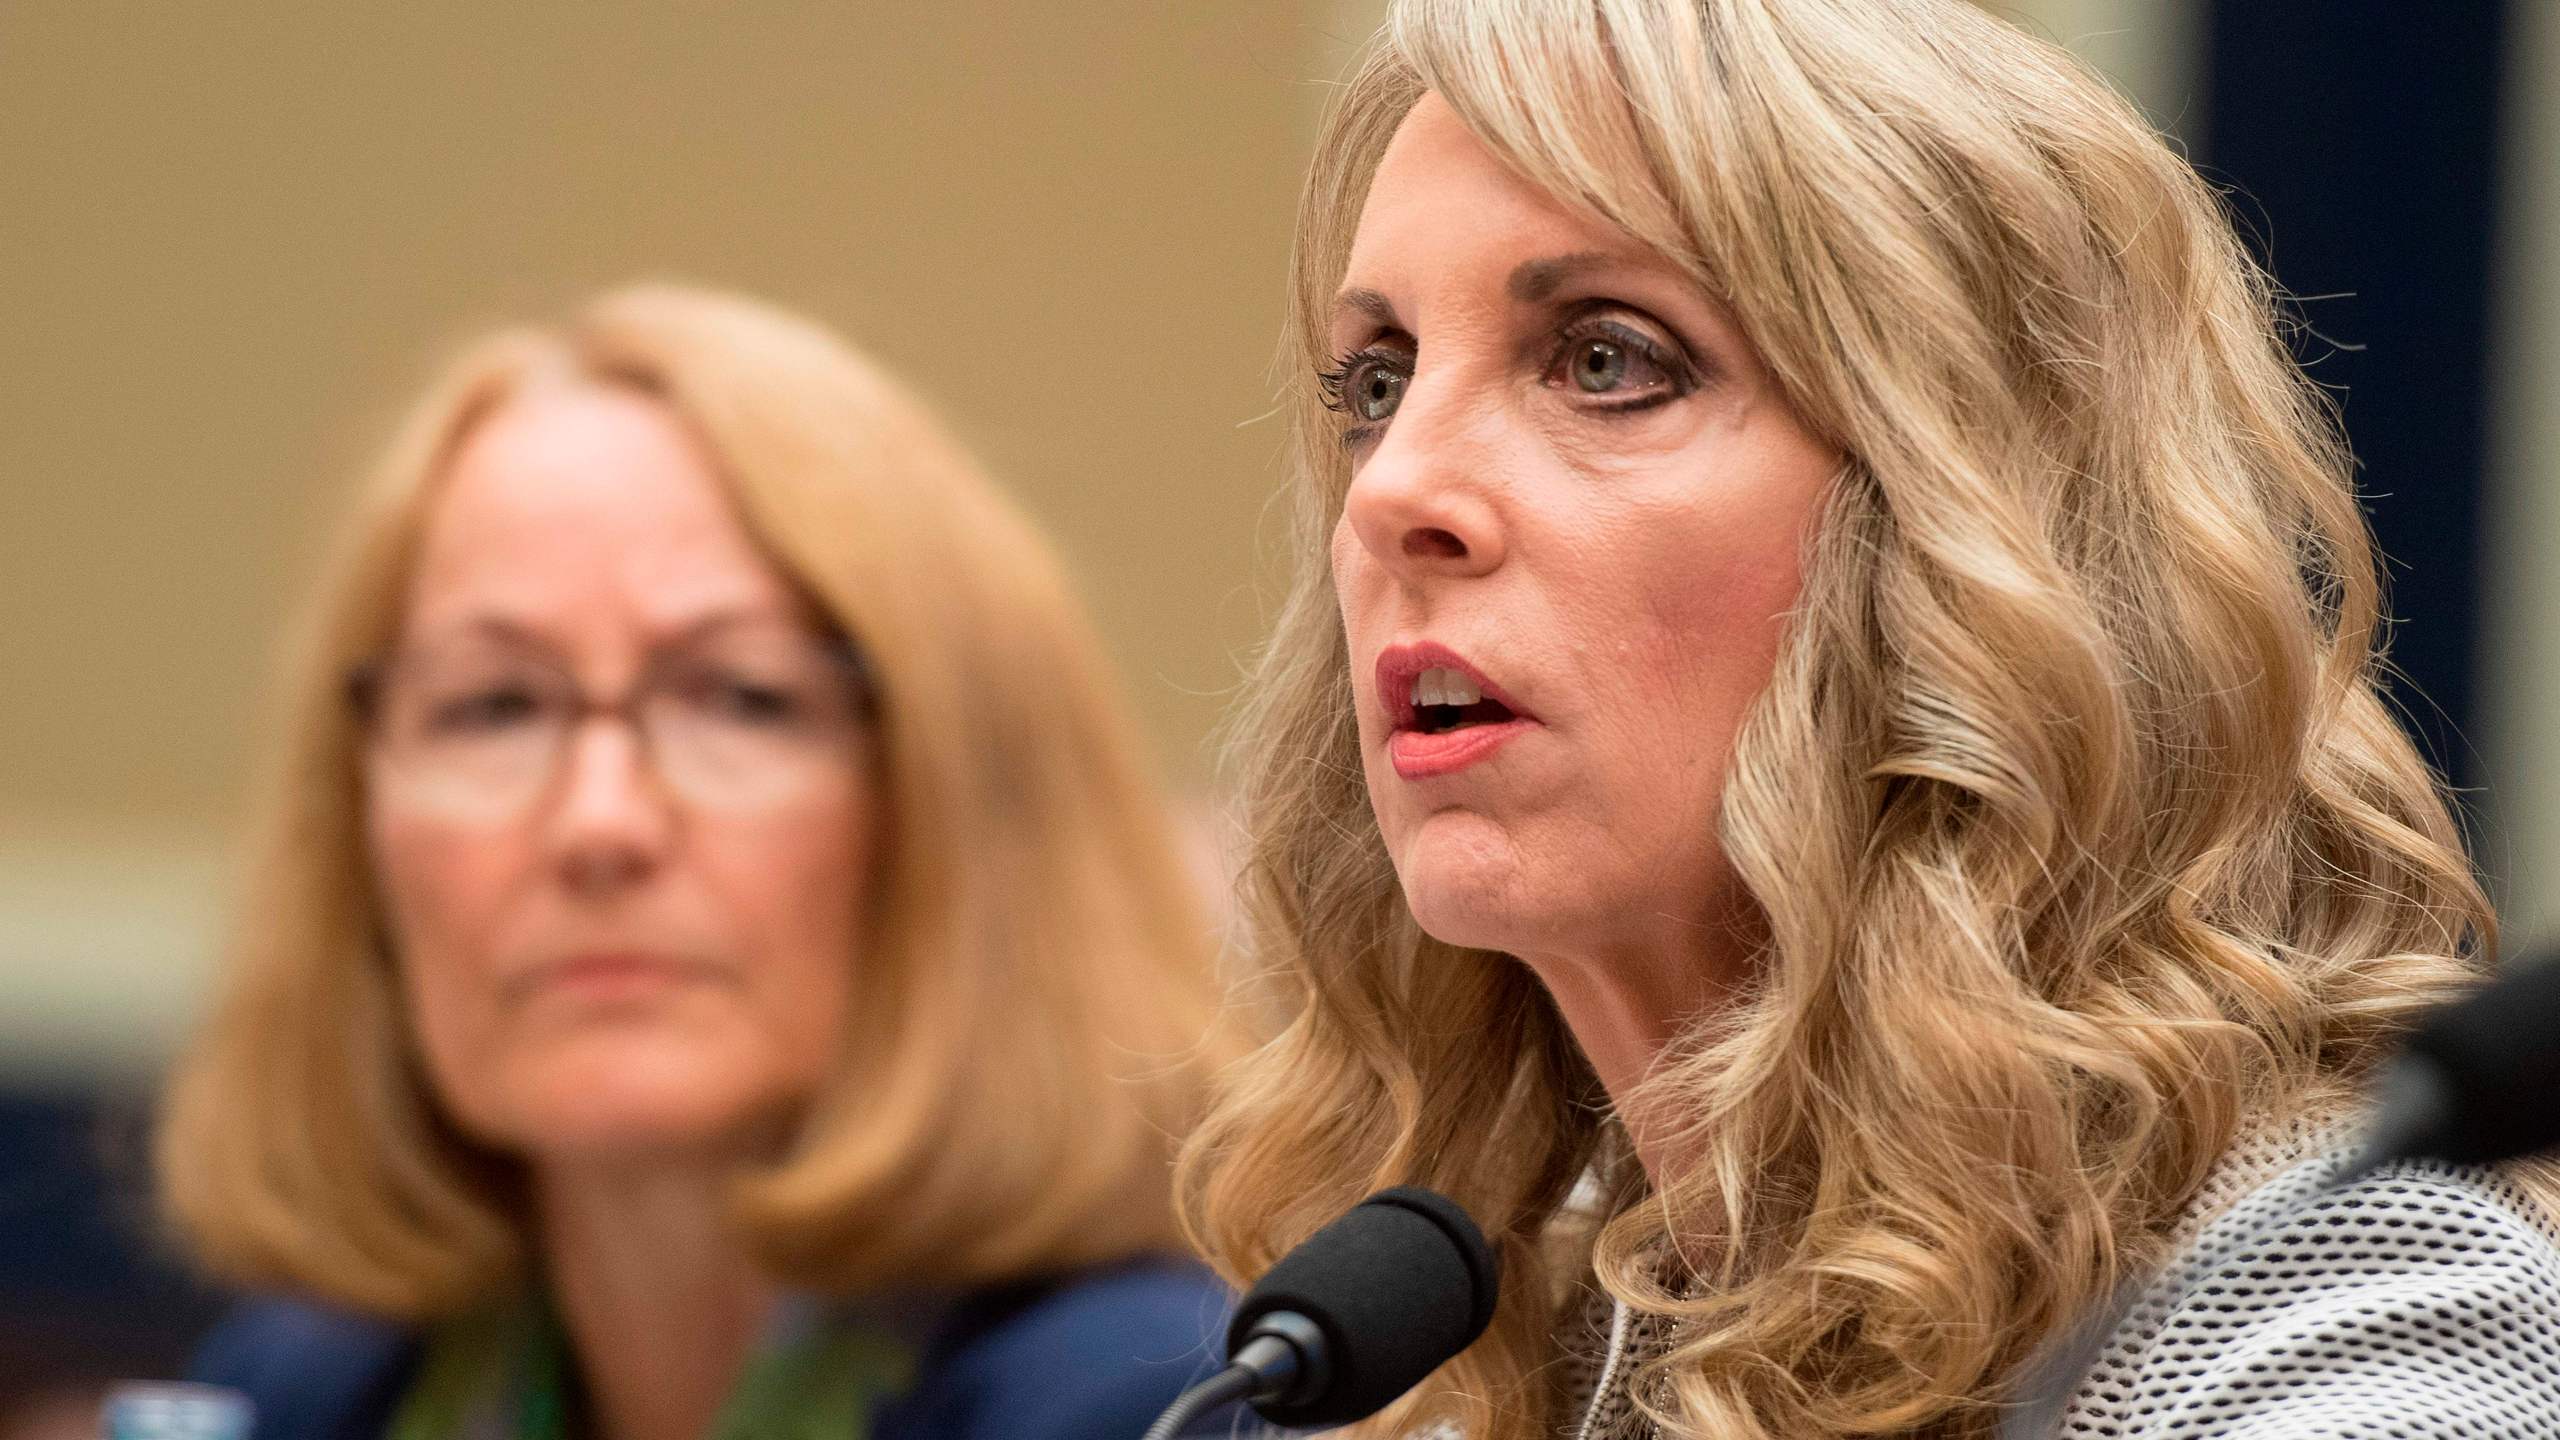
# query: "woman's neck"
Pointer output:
{"type": "Point", "coordinates": [1629, 1004]}
{"type": "Point", "coordinates": [661, 1303]}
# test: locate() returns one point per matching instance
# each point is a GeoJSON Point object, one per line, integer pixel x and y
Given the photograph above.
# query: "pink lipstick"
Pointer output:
{"type": "Point", "coordinates": [1443, 713]}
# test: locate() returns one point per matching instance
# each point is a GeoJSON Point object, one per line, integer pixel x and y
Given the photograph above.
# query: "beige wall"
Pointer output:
{"type": "Point", "coordinates": [2150, 49]}
{"type": "Point", "coordinates": [2520, 665]}
{"type": "Point", "coordinates": [236, 236]}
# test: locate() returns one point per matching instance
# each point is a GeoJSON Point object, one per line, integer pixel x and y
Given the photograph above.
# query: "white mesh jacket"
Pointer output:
{"type": "Point", "coordinates": [2421, 1302]}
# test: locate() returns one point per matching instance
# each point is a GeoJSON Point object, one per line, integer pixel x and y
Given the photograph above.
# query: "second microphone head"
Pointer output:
{"type": "Point", "coordinates": [1399, 1284]}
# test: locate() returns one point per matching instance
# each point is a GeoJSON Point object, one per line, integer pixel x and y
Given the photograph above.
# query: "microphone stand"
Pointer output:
{"type": "Point", "coordinates": [1236, 1382]}
{"type": "Point", "coordinates": [1283, 1349]}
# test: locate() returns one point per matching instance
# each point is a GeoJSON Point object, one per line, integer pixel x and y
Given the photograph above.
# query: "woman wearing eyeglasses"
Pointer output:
{"type": "Point", "coordinates": [715, 965]}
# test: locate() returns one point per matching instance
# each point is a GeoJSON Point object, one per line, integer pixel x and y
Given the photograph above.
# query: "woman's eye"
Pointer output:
{"type": "Point", "coordinates": [749, 702]}
{"type": "Point", "coordinates": [1631, 369]}
{"type": "Point", "coordinates": [1376, 391]}
{"type": "Point", "coordinates": [482, 710]}
{"type": "Point", "coordinates": [1599, 366]}
{"type": "Point", "coordinates": [1367, 386]}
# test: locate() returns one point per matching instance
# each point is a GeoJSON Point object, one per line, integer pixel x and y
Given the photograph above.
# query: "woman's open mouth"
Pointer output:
{"type": "Point", "coordinates": [1446, 700]}
{"type": "Point", "coordinates": [1445, 715]}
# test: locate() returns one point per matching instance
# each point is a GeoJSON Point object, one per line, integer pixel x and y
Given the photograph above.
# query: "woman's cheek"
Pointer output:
{"type": "Point", "coordinates": [801, 890]}
{"type": "Point", "coordinates": [457, 1030]}
{"type": "Point", "coordinates": [441, 893]}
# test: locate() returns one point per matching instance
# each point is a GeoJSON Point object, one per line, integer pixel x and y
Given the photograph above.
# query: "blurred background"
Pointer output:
{"type": "Point", "coordinates": [235, 239]}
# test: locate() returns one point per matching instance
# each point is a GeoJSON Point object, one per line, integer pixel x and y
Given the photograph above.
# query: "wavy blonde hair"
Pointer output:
{"type": "Point", "coordinates": [1031, 1001]}
{"type": "Point", "coordinates": [2079, 826]}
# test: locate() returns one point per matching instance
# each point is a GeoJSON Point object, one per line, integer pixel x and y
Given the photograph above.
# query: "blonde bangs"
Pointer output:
{"type": "Point", "coordinates": [1032, 1015]}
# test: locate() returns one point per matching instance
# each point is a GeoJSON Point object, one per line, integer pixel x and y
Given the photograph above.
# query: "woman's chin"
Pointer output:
{"type": "Point", "coordinates": [1481, 909]}
{"type": "Point", "coordinates": [1470, 883]}
{"type": "Point", "coordinates": [631, 1102]}
{"type": "Point", "coordinates": [1470, 910]}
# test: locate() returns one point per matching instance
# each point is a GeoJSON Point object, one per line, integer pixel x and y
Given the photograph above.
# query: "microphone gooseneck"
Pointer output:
{"type": "Point", "coordinates": [1283, 1356]}
{"type": "Point", "coordinates": [1238, 1381]}
{"type": "Point", "coordinates": [1355, 1316]}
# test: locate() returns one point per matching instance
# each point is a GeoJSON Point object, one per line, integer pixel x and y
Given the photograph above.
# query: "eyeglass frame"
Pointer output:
{"type": "Point", "coordinates": [361, 689]}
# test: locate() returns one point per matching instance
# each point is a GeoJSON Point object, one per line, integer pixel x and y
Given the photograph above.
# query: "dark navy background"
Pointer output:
{"type": "Point", "coordinates": [2362, 138]}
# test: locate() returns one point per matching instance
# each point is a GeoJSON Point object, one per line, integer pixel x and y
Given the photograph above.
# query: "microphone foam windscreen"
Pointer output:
{"type": "Point", "coordinates": [2499, 1053]}
{"type": "Point", "coordinates": [1399, 1285]}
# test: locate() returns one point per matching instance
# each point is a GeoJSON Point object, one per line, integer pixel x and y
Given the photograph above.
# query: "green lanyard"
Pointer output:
{"type": "Point", "coordinates": [506, 1374]}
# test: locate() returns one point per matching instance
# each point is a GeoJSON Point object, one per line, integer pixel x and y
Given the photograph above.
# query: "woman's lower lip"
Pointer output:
{"type": "Point", "coordinates": [1420, 755]}
{"type": "Point", "coordinates": [607, 978]}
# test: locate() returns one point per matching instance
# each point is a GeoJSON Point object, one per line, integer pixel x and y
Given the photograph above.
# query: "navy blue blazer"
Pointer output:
{"type": "Point", "coordinates": [1095, 1355]}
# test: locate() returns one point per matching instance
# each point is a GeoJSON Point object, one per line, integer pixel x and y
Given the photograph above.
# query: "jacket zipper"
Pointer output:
{"type": "Point", "coordinates": [1608, 1368]}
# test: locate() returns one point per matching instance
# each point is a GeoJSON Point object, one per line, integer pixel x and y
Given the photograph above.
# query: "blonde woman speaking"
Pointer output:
{"type": "Point", "coordinates": [1822, 773]}
{"type": "Point", "coordinates": [715, 965]}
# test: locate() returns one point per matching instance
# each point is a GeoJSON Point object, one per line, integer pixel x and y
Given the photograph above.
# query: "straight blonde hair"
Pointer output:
{"type": "Point", "coordinates": [2078, 823]}
{"type": "Point", "coordinates": [1032, 1003]}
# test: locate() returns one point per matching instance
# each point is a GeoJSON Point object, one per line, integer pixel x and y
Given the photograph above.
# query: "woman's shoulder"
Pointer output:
{"type": "Point", "coordinates": [1093, 1353]}
{"type": "Point", "coordinates": [310, 1371]}
{"type": "Point", "coordinates": [1086, 1355]}
{"type": "Point", "coordinates": [2422, 1294]}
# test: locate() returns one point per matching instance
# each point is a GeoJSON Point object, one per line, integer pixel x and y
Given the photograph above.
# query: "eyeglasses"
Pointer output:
{"type": "Point", "coordinates": [743, 717]}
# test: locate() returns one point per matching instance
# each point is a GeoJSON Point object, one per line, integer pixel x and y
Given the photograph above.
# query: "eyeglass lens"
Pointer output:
{"type": "Point", "coordinates": [480, 726]}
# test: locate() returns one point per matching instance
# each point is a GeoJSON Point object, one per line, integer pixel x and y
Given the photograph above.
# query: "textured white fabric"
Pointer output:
{"type": "Point", "coordinates": [2420, 1303]}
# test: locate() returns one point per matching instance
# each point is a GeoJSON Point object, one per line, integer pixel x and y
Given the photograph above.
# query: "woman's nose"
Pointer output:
{"type": "Point", "coordinates": [1419, 503]}
{"type": "Point", "coordinates": [610, 819]}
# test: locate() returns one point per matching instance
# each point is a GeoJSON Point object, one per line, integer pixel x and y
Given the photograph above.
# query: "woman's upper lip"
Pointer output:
{"type": "Point", "coordinates": [602, 964]}
{"type": "Point", "coordinates": [1400, 665]}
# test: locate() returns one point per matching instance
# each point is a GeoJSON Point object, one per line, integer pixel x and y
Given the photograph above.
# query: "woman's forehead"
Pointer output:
{"type": "Point", "coordinates": [570, 504]}
{"type": "Point", "coordinates": [1445, 211]}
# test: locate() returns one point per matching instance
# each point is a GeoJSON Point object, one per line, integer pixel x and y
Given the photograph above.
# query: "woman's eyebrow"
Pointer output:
{"type": "Point", "coordinates": [749, 612]}
{"type": "Point", "coordinates": [1364, 301]}
{"type": "Point", "coordinates": [1531, 282]}
{"type": "Point", "coordinates": [504, 629]}
{"type": "Point", "coordinates": [1535, 280]}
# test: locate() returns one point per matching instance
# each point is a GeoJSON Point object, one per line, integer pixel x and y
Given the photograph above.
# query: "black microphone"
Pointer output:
{"type": "Point", "coordinates": [2479, 1080]}
{"type": "Point", "coordinates": [1357, 1315]}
